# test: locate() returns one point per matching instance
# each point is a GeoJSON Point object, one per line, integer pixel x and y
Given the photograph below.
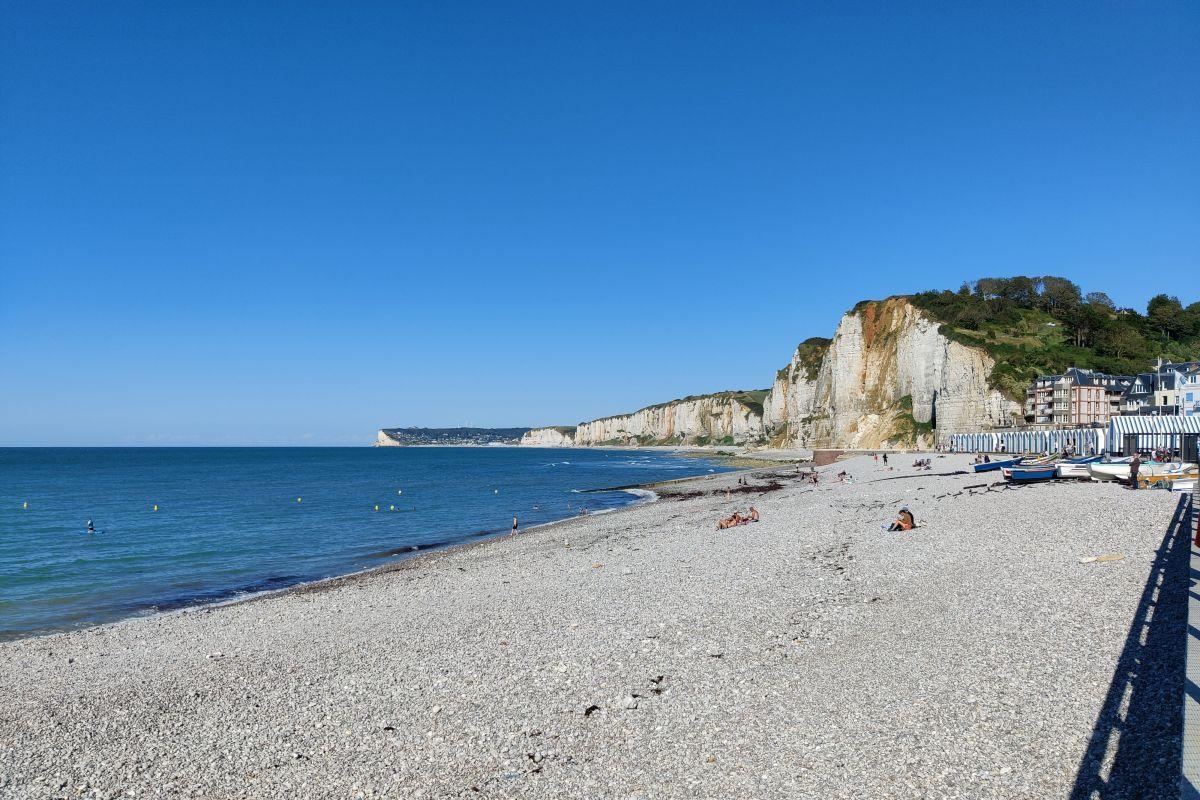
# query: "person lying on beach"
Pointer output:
{"type": "Point", "coordinates": [737, 519]}
{"type": "Point", "coordinates": [904, 522]}
{"type": "Point", "coordinates": [729, 522]}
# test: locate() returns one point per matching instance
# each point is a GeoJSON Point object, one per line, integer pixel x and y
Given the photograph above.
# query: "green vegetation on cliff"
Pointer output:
{"type": "Point", "coordinates": [751, 398]}
{"type": "Point", "coordinates": [810, 354]}
{"type": "Point", "coordinates": [1042, 325]}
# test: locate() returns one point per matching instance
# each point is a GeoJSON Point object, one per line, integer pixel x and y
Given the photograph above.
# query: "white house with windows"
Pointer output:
{"type": "Point", "coordinates": [1188, 391]}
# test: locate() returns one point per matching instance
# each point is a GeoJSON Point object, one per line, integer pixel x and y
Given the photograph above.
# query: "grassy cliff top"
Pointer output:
{"type": "Point", "coordinates": [1038, 326]}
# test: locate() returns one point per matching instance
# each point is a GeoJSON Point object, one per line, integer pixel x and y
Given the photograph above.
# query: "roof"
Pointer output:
{"type": "Point", "coordinates": [1119, 426]}
{"type": "Point", "coordinates": [1087, 377]}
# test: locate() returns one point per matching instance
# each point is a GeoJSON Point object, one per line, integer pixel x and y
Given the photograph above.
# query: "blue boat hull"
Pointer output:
{"type": "Point", "coordinates": [995, 465]}
{"type": "Point", "coordinates": [1033, 474]}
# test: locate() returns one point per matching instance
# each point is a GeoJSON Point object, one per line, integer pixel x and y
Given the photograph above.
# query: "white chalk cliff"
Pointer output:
{"type": "Point", "coordinates": [559, 436]}
{"type": "Point", "coordinates": [887, 377]}
{"type": "Point", "coordinates": [722, 418]}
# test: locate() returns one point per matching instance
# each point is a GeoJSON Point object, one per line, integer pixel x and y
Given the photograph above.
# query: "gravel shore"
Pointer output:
{"type": "Point", "coordinates": [645, 654]}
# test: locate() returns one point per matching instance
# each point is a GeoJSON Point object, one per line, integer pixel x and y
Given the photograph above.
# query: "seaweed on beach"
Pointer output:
{"type": "Point", "coordinates": [771, 486]}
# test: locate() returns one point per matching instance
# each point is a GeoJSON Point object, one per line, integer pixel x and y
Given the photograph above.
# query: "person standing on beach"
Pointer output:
{"type": "Point", "coordinates": [514, 527]}
{"type": "Point", "coordinates": [885, 458]}
{"type": "Point", "coordinates": [1134, 467]}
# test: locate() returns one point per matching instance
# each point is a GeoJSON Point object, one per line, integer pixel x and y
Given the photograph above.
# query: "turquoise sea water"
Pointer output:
{"type": "Point", "coordinates": [239, 520]}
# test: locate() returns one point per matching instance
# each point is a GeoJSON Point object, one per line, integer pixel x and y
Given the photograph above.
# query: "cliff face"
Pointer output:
{"type": "Point", "coordinates": [725, 418]}
{"type": "Point", "coordinates": [549, 437]}
{"type": "Point", "coordinates": [888, 376]}
{"type": "Point", "coordinates": [709, 419]}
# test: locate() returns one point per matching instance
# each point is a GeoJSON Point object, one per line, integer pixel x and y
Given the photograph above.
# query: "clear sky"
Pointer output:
{"type": "Point", "coordinates": [287, 223]}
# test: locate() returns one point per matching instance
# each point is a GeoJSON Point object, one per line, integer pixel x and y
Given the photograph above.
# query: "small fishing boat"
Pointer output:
{"type": "Point", "coordinates": [1076, 467]}
{"type": "Point", "coordinates": [1185, 476]}
{"type": "Point", "coordinates": [1110, 469]}
{"type": "Point", "coordinates": [994, 465]}
{"type": "Point", "coordinates": [1119, 470]}
{"type": "Point", "coordinates": [1040, 472]}
{"type": "Point", "coordinates": [1027, 464]}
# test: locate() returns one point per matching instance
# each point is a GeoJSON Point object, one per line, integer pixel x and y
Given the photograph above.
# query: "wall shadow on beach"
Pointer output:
{"type": "Point", "coordinates": [1142, 715]}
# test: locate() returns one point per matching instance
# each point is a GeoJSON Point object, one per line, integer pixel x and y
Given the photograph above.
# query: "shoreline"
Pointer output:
{"type": "Point", "coordinates": [642, 652]}
{"type": "Point", "coordinates": [398, 562]}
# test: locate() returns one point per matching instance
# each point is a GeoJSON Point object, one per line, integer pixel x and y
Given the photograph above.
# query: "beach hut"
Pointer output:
{"type": "Point", "coordinates": [1151, 432]}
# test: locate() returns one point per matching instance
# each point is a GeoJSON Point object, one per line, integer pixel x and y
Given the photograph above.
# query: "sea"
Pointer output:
{"type": "Point", "coordinates": [177, 527]}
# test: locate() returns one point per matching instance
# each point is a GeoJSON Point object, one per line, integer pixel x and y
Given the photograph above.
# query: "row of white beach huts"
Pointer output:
{"type": "Point", "coordinates": [1152, 433]}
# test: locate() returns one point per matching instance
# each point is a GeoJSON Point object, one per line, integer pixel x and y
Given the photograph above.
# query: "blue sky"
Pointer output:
{"type": "Point", "coordinates": [244, 223]}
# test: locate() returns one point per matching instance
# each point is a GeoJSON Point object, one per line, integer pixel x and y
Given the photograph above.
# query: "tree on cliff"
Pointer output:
{"type": "Point", "coordinates": [1166, 315]}
{"type": "Point", "coordinates": [1042, 325]}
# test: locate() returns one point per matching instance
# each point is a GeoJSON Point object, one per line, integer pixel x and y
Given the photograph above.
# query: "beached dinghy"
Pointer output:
{"type": "Point", "coordinates": [1041, 472]}
{"type": "Point", "coordinates": [1119, 470]}
{"type": "Point", "coordinates": [992, 465]}
{"type": "Point", "coordinates": [1077, 467]}
{"type": "Point", "coordinates": [1028, 464]}
{"type": "Point", "coordinates": [1116, 469]}
{"type": "Point", "coordinates": [1183, 474]}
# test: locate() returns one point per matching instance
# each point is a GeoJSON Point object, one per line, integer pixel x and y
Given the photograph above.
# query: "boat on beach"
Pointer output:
{"type": "Point", "coordinates": [994, 465]}
{"type": "Point", "coordinates": [1110, 469]}
{"type": "Point", "coordinates": [1180, 479]}
{"type": "Point", "coordinates": [1118, 470]}
{"type": "Point", "coordinates": [1076, 467]}
{"type": "Point", "coordinates": [1029, 474]}
{"type": "Point", "coordinates": [1045, 469]}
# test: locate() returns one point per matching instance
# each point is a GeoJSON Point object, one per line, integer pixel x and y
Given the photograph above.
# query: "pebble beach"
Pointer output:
{"type": "Point", "coordinates": [644, 654]}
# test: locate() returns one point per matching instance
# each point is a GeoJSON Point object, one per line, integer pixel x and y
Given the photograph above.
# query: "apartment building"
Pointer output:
{"type": "Point", "coordinates": [1077, 397]}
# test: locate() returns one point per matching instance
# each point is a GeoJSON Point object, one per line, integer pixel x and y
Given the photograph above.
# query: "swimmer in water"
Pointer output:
{"type": "Point", "coordinates": [90, 527]}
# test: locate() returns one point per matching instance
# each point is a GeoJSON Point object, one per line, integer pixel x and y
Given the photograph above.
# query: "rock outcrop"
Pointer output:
{"type": "Point", "coordinates": [557, 436]}
{"type": "Point", "coordinates": [888, 376]}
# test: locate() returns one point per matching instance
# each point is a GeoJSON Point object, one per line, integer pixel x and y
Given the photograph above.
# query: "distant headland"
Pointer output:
{"type": "Point", "coordinates": [448, 437]}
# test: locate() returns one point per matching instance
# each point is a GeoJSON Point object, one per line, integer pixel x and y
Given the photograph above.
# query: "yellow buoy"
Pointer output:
{"type": "Point", "coordinates": [399, 491]}
{"type": "Point", "coordinates": [25, 504]}
{"type": "Point", "coordinates": [495, 491]}
{"type": "Point", "coordinates": [297, 499]}
{"type": "Point", "coordinates": [156, 506]}
{"type": "Point", "coordinates": [391, 508]}
{"type": "Point", "coordinates": [376, 506]}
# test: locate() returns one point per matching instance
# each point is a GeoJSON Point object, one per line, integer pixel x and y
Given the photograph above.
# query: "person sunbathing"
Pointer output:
{"type": "Point", "coordinates": [904, 522]}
